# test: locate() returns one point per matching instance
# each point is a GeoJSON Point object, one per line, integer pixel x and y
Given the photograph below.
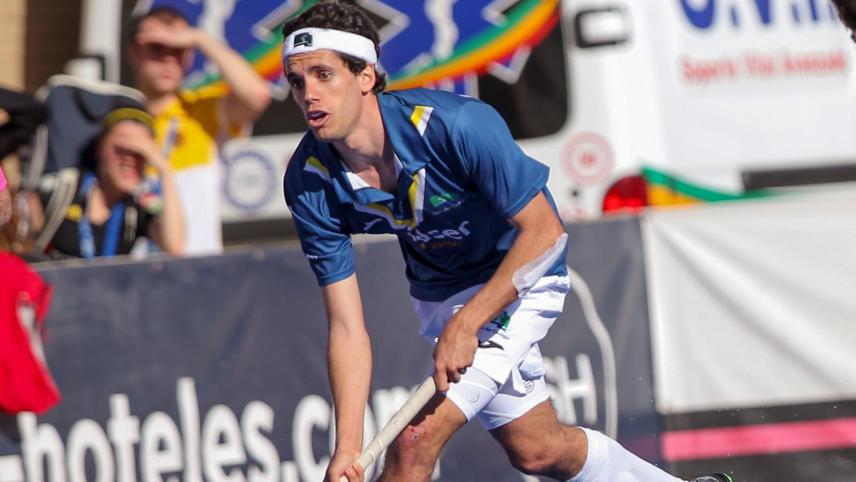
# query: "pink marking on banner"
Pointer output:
{"type": "Point", "coordinates": [714, 443]}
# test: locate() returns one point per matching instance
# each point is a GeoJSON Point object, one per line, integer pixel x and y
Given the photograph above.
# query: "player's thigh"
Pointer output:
{"type": "Point", "coordinates": [537, 440]}
{"type": "Point", "coordinates": [538, 425]}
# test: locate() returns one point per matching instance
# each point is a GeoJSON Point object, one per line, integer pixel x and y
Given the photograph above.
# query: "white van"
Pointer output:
{"type": "Point", "coordinates": [630, 102]}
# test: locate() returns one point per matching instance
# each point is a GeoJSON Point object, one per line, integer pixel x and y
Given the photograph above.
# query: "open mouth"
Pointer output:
{"type": "Point", "coordinates": [316, 118]}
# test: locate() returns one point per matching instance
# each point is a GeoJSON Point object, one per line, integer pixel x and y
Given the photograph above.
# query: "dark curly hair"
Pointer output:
{"type": "Point", "coordinates": [347, 17]}
{"type": "Point", "coordinates": [846, 12]}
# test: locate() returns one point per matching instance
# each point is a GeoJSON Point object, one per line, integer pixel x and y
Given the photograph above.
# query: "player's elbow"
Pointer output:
{"type": "Point", "coordinates": [553, 228]}
{"type": "Point", "coordinates": [347, 332]}
{"type": "Point", "coordinates": [538, 216]}
{"type": "Point", "coordinates": [548, 228]}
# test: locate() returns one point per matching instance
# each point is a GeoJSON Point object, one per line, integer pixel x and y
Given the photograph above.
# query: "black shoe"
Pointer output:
{"type": "Point", "coordinates": [718, 477]}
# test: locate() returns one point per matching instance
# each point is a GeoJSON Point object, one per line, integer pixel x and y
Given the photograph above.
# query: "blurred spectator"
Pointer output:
{"type": "Point", "coordinates": [191, 126]}
{"type": "Point", "coordinates": [847, 14]}
{"type": "Point", "coordinates": [5, 201]}
{"type": "Point", "coordinates": [16, 236]}
{"type": "Point", "coordinates": [110, 209]}
{"type": "Point", "coordinates": [25, 114]}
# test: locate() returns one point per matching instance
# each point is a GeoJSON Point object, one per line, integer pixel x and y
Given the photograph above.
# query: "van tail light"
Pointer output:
{"type": "Point", "coordinates": [626, 194]}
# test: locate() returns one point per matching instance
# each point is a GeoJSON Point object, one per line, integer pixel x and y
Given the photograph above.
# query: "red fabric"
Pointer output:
{"type": "Point", "coordinates": [25, 382]}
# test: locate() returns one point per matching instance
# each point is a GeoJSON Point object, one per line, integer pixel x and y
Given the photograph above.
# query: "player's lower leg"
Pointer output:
{"type": "Point", "coordinates": [413, 454]}
{"type": "Point", "coordinates": [608, 461]}
{"type": "Point", "coordinates": [537, 444]}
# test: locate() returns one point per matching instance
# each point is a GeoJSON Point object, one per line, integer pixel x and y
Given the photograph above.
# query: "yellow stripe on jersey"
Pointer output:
{"type": "Point", "coordinates": [385, 213]}
{"type": "Point", "coordinates": [314, 166]}
{"type": "Point", "coordinates": [420, 116]}
{"type": "Point", "coordinates": [416, 195]}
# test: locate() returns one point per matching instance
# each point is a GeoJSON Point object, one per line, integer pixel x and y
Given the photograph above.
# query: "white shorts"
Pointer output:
{"type": "Point", "coordinates": [506, 379]}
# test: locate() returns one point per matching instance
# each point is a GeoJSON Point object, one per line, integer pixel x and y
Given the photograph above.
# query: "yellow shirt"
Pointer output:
{"type": "Point", "coordinates": [191, 131]}
{"type": "Point", "coordinates": [196, 127]}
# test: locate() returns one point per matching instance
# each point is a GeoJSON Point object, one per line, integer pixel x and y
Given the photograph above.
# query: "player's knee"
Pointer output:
{"type": "Point", "coordinates": [533, 461]}
{"type": "Point", "coordinates": [411, 449]}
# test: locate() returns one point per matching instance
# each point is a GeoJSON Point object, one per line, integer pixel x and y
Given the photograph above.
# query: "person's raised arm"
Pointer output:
{"type": "Point", "coordinates": [168, 228]}
{"type": "Point", "coordinates": [349, 364]}
{"type": "Point", "coordinates": [249, 94]}
{"type": "Point", "coordinates": [539, 229]}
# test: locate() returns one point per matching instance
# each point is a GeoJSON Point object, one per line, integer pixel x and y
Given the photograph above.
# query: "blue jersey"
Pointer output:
{"type": "Point", "coordinates": [462, 177]}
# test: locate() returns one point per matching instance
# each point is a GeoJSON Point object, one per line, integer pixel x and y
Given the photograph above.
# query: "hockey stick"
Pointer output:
{"type": "Point", "coordinates": [396, 424]}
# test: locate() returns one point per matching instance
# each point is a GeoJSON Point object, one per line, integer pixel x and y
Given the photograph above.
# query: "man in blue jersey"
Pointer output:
{"type": "Point", "coordinates": [483, 245]}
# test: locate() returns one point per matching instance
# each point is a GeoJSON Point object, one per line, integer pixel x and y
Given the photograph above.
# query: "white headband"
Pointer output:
{"type": "Point", "coordinates": [311, 39]}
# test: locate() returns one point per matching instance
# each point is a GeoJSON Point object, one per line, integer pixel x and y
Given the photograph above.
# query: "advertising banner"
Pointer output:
{"type": "Point", "coordinates": [214, 369]}
{"type": "Point", "coordinates": [752, 313]}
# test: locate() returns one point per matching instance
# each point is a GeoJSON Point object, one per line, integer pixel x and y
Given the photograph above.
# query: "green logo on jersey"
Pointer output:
{"type": "Point", "coordinates": [439, 199]}
{"type": "Point", "coordinates": [502, 321]}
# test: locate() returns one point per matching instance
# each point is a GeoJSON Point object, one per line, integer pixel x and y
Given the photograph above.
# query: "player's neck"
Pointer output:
{"type": "Point", "coordinates": [367, 145]}
{"type": "Point", "coordinates": [368, 151]}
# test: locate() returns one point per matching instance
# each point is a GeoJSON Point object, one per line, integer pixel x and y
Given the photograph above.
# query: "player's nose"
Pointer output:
{"type": "Point", "coordinates": [310, 93]}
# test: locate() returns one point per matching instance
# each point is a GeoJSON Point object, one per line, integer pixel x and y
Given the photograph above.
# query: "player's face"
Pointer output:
{"type": "Point", "coordinates": [328, 93]}
{"type": "Point", "coordinates": [160, 68]}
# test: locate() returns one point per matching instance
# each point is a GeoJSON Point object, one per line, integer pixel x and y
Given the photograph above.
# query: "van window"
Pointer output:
{"type": "Point", "coordinates": [537, 105]}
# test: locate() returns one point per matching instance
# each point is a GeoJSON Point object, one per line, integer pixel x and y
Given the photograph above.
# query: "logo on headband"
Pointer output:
{"type": "Point", "coordinates": [302, 39]}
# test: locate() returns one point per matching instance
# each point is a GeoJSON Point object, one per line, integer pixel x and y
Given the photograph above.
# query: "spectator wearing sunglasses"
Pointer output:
{"type": "Point", "coordinates": [191, 126]}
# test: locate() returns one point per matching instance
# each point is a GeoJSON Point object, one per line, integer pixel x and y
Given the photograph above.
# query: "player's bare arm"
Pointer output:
{"type": "Point", "coordinates": [538, 229]}
{"type": "Point", "coordinates": [349, 361]}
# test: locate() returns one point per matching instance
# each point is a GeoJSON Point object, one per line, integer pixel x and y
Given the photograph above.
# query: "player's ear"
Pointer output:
{"type": "Point", "coordinates": [367, 79]}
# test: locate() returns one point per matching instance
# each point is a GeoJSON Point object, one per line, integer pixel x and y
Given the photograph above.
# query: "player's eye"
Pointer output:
{"type": "Point", "coordinates": [325, 75]}
{"type": "Point", "coordinates": [295, 83]}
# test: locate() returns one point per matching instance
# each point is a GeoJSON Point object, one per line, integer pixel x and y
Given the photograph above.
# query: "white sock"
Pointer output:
{"type": "Point", "coordinates": [608, 461]}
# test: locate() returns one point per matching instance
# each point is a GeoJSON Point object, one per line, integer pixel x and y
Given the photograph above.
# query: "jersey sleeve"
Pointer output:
{"type": "Point", "coordinates": [493, 160]}
{"type": "Point", "coordinates": [320, 225]}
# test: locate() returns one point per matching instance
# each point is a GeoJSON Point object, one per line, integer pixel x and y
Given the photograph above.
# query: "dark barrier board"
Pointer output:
{"type": "Point", "coordinates": [214, 368]}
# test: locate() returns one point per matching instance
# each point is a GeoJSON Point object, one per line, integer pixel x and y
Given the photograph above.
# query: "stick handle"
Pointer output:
{"type": "Point", "coordinates": [396, 424]}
